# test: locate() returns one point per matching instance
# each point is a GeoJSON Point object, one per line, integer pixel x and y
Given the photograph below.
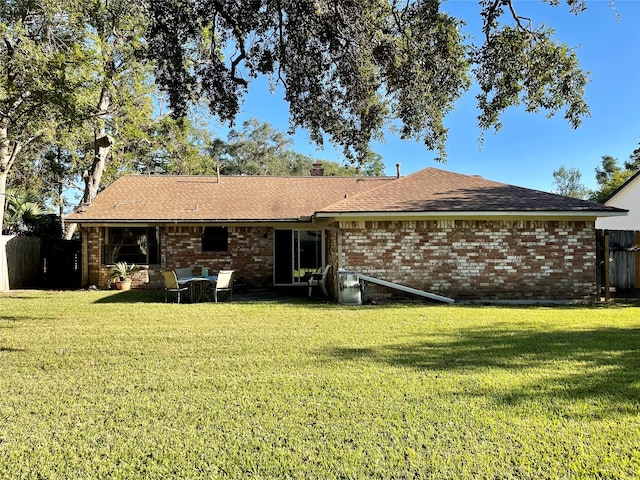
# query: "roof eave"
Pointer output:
{"type": "Point", "coordinates": [191, 221]}
{"type": "Point", "coordinates": [470, 214]}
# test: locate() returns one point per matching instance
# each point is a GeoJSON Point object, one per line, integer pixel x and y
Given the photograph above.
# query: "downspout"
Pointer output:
{"type": "Point", "coordinates": [84, 236]}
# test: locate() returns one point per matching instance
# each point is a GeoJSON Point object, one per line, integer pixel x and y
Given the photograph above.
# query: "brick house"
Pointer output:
{"type": "Point", "coordinates": [451, 234]}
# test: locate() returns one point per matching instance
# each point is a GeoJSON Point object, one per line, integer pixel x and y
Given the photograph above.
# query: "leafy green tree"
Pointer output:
{"type": "Point", "coordinates": [260, 149]}
{"type": "Point", "coordinates": [567, 182]}
{"type": "Point", "coordinates": [39, 85]}
{"type": "Point", "coordinates": [351, 68]}
{"type": "Point", "coordinates": [122, 86]}
{"type": "Point", "coordinates": [633, 163]}
{"type": "Point", "coordinates": [610, 176]}
{"type": "Point", "coordinates": [177, 147]}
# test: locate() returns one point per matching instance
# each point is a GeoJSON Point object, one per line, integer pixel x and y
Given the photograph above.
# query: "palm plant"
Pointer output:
{"type": "Point", "coordinates": [122, 270]}
{"type": "Point", "coordinates": [24, 211]}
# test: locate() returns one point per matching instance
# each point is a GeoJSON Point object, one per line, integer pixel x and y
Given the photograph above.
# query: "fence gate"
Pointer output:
{"type": "Point", "coordinates": [619, 250]}
{"type": "Point", "coordinates": [23, 261]}
{"type": "Point", "coordinates": [61, 263]}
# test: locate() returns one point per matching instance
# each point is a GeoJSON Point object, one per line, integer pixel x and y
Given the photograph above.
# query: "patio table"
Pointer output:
{"type": "Point", "coordinates": [197, 281]}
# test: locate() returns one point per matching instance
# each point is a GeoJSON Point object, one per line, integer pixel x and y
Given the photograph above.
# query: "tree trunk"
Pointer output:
{"type": "Point", "coordinates": [92, 177]}
{"type": "Point", "coordinates": [4, 271]}
{"type": "Point", "coordinates": [5, 158]}
{"type": "Point", "coordinates": [102, 145]}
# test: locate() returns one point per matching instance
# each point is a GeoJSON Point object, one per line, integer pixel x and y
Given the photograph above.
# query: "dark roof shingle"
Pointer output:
{"type": "Point", "coordinates": [205, 199]}
{"type": "Point", "coordinates": [435, 190]}
{"type": "Point", "coordinates": [202, 198]}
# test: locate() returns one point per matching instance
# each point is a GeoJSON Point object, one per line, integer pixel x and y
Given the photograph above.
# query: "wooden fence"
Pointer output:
{"type": "Point", "coordinates": [618, 253]}
{"type": "Point", "coordinates": [34, 262]}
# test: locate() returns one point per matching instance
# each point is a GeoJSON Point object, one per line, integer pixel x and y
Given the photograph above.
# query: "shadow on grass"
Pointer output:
{"type": "Point", "coordinates": [282, 297]}
{"type": "Point", "coordinates": [606, 362]}
{"type": "Point", "coordinates": [134, 296]}
{"type": "Point", "coordinates": [11, 350]}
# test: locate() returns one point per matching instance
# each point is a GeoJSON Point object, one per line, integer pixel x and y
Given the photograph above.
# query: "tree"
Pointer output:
{"type": "Point", "coordinates": [610, 176]}
{"type": "Point", "coordinates": [22, 212]}
{"type": "Point", "coordinates": [25, 214]}
{"type": "Point", "coordinates": [38, 82]}
{"type": "Point", "coordinates": [568, 183]}
{"type": "Point", "coordinates": [177, 147]}
{"type": "Point", "coordinates": [351, 68]}
{"type": "Point", "coordinates": [633, 163]}
{"type": "Point", "coordinates": [122, 94]}
{"type": "Point", "coordinates": [260, 149]}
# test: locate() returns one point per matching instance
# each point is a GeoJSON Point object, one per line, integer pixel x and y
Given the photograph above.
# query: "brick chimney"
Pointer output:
{"type": "Point", "coordinates": [317, 170]}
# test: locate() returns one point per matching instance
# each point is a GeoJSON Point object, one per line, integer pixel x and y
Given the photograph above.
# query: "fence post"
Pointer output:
{"type": "Point", "coordinates": [636, 246]}
{"type": "Point", "coordinates": [607, 271]}
{"type": "Point", "coordinates": [4, 269]}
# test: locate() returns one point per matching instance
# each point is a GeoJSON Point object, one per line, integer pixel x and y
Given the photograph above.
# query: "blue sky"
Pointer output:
{"type": "Point", "coordinates": [529, 147]}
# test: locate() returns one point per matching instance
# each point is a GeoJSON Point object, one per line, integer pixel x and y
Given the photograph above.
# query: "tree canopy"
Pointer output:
{"type": "Point", "coordinates": [568, 182]}
{"type": "Point", "coordinates": [351, 68]}
{"type": "Point", "coordinates": [78, 76]}
{"type": "Point", "coordinates": [260, 149]}
{"type": "Point", "coordinates": [609, 176]}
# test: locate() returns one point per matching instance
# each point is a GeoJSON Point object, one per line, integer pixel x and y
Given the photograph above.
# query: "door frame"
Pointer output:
{"type": "Point", "coordinates": [284, 270]}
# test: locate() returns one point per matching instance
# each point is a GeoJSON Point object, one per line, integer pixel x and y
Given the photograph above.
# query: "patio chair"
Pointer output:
{"type": "Point", "coordinates": [223, 284]}
{"type": "Point", "coordinates": [171, 285]}
{"type": "Point", "coordinates": [183, 272]}
{"type": "Point", "coordinates": [319, 280]}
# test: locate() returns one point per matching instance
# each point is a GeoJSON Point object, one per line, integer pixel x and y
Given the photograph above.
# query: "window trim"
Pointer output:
{"type": "Point", "coordinates": [151, 232]}
{"type": "Point", "coordinates": [216, 241]}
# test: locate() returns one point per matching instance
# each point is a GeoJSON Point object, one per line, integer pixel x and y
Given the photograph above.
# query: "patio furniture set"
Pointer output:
{"type": "Point", "coordinates": [200, 288]}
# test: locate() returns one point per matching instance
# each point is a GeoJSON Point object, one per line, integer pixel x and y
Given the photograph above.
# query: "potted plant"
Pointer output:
{"type": "Point", "coordinates": [121, 275]}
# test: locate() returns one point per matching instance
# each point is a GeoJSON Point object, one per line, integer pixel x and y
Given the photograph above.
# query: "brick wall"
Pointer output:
{"type": "Point", "coordinates": [463, 259]}
{"type": "Point", "coordinates": [99, 274]}
{"type": "Point", "coordinates": [474, 259]}
{"type": "Point", "coordinates": [250, 253]}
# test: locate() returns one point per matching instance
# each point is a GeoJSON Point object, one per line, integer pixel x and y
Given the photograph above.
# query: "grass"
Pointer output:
{"type": "Point", "coordinates": [121, 386]}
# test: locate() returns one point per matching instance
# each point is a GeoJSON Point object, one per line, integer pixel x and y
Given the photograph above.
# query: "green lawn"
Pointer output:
{"type": "Point", "coordinates": [120, 385]}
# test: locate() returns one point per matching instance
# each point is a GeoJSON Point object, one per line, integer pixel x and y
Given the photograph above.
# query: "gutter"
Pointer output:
{"type": "Point", "coordinates": [451, 214]}
{"type": "Point", "coordinates": [183, 221]}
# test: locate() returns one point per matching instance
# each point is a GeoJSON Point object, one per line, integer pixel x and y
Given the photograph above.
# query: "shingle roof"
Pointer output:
{"type": "Point", "coordinates": [435, 190]}
{"type": "Point", "coordinates": [202, 198]}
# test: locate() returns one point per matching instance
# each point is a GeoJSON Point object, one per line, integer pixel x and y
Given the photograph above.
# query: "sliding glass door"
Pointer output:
{"type": "Point", "coordinates": [296, 253]}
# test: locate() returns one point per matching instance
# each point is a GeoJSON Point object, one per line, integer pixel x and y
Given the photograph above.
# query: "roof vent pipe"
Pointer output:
{"type": "Point", "coordinates": [218, 171]}
{"type": "Point", "coordinates": [397, 170]}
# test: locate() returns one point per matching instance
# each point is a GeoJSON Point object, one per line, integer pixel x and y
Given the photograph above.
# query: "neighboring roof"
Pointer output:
{"type": "Point", "coordinates": [194, 199]}
{"type": "Point", "coordinates": [623, 186]}
{"type": "Point", "coordinates": [435, 190]}
{"type": "Point", "coordinates": [170, 198]}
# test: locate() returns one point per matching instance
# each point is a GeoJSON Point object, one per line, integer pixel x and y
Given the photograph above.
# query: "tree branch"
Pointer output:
{"type": "Point", "coordinates": [239, 36]}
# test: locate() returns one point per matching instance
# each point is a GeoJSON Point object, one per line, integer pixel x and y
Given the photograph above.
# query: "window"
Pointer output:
{"type": "Point", "coordinates": [214, 239]}
{"type": "Point", "coordinates": [139, 245]}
